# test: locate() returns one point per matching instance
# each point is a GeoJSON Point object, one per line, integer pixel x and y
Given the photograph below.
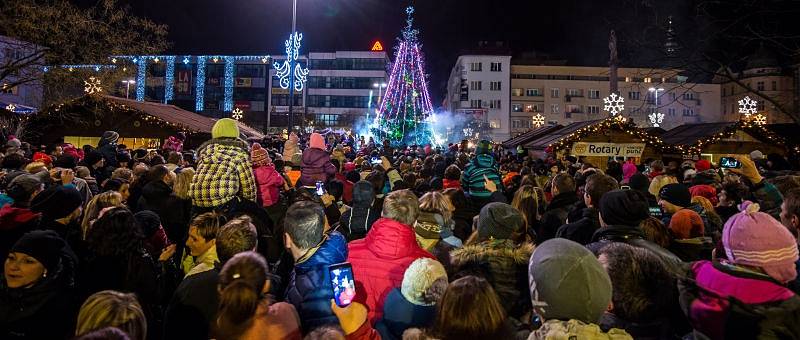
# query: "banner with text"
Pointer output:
{"type": "Point", "coordinates": [607, 149]}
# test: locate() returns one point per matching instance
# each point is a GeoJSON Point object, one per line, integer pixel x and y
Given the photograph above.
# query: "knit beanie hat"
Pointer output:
{"type": "Point", "coordinates": [43, 245]}
{"type": "Point", "coordinates": [66, 162]}
{"type": "Point", "coordinates": [260, 155]}
{"type": "Point", "coordinates": [639, 182]}
{"type": "Point", "coordinates": [628, 170]}
{"type": "Point", "coordinates": [225, 128]}
{"type": "Point", "coordinates": [429, 225]}
{"type": "Point", "coordinates": [685, 224]}
{"type": "Point", "coordinates": [702, 165]}
{"type": "Point", "coordinates": [92, 158]}
{"type": "Point", "coordinates": [23, 186]}
{"type": "Point", "coordinates": [42, 157]}
{"type": "Point", "coordinates": [57, 201]}
{"type": "Point", "coordinates": [499, 220]}
{"type": "Point", "coordinates": [705, 190]}
{"type": "Point", "coordinates": [755, 238]}
{"type": "Point", "coordinates": [756, 154]}
{"type": "Point", "coordinates": [316, 141]}
{"type": "Point", "coordinates": [483, 147]}
{"type": "Point", "coordinates": [418, 279]}
{"type": "Point", "coordinates": [109, 137]}
{"type": "Point", "coordinates": [148, 221]}
{"type": "Point", "coordinates": [567, 282]}
{"type": "Point", "coordinates": [14, 142]}
{"type": "Point", "coordinates": [676, 194]}
{"type": "Point", "coordinates": [624, 207]}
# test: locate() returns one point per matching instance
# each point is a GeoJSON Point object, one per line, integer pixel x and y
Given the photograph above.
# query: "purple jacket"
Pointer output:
{"type": "Point", "coordinates": [316, 166]}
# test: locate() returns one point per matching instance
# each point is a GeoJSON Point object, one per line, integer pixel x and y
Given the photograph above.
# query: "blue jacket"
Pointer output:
{"type": "Point", "coordinates": [310, 288]}
{"type": "Point", "coordinates": [399, 314]}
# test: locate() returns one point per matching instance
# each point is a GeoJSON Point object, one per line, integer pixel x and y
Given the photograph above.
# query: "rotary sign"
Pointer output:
{"type": "Point", "coordinates": [607, 149]}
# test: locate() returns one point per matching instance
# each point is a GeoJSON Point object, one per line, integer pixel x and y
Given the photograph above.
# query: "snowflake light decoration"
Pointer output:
{"type": "Point", "coordinates": [237, 113]}
{"type": "Point", "coordinates": [760, 119]}
{"type": "Point", "coordinates": [92, 86]}
{"type": "Point", "coordinates": [538, 120]}
{"type": "Point", "coordinates": [11, 107]}
{"type": "Point", "coordinates": [614, 104]}
{"type": "Point", "coordinates": [656, 118]}
{"type": "Point", "coordinates": [621, 119]}
{"type": "Point", "coordinates": [747, 106]}
{"type": "Point", "coordinates": [468, 132]}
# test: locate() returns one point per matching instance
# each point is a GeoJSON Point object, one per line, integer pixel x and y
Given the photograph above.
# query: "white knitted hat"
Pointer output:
{"type": "Point", "coordinates": [419, 277]}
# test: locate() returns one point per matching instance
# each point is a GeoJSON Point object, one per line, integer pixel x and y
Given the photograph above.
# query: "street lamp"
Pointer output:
{"type": "Point", "coordinates": [128, 83]}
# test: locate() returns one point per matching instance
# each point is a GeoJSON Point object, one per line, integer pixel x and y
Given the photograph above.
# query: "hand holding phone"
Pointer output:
{"type": "Point", "coordinates": [342, 283]}
{"type": "Point", "coordinates": [730, 163]}
{"type": "Point", "coordinates": [320, 188]}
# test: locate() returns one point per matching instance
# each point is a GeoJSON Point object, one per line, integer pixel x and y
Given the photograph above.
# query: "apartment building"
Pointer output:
{"type": "Point", "coordinates": [481, 83]}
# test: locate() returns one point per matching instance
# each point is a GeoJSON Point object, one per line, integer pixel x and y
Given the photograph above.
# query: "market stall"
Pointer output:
{"type": "Point", "coordinates": [81, 121]}
{"type": "Point", "coordinates": [529, 136]}
{"type": "Point", "coordinates": [711, 141]}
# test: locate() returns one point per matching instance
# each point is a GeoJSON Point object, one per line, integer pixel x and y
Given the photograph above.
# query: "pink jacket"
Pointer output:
{"type": "Point", "coordinates": [269, 183]}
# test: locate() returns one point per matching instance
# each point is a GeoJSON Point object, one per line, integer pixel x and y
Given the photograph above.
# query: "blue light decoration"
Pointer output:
{"type": "Point", "coordinates": [140, 76]}
{"type": "Point", "coordinates": [201, 84]}
{"type": "Point", "coordinates": [169, 79]}
{"type": "Point", "coordinates": [283, 69]}
{"type": "Point", "coordinates": [227, 105]}
{"type": "Point", "coordinates": [186, 60]}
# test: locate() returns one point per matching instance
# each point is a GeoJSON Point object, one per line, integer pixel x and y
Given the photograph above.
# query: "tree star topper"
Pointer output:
{"type": "Point", "coordinates": [614, 104]}
{"type": "Point", "coordinates": [284, 69]}
{"type": "Point", "coordinates": [538, 120]}
{"type": "Point", "coordinates": [92, 86]}
{"type": "Point", "coordinates": [656, 118]}
{"type": "Point", "coordinates": [748, 106]}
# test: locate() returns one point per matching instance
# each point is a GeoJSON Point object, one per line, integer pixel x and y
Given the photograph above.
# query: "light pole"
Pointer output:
{"type": "Point", "coordinates": [128, 83]}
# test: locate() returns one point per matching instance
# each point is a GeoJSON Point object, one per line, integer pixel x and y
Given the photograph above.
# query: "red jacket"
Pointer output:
{"type": "Point", "coordinates": [380, 260]}
{"type": "Point", "coordinates": [347, 193]}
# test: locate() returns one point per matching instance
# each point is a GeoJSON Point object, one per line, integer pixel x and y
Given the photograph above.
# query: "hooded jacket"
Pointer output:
{"type": "Point", "coordinates": [316, 166]}
{"type": "Point", "coordinates": [556, 215]}
{"type": "Point", "coordinates": [380, 260]}
{"type": "Point", "coordinates": [310, 288]}
{"type": "Point", "coordinates": [15, 222]}
{"type": "Point", "coordinates": [290, 148]}
{"type": "Point", "coordinates": [223, 172]}
{"type": "Point", "coordinates": [270, 182]}
{"type": "Point", "coordinates": [174, 212]}
{"type": "Point", "coordinates": [502, 263]}
{"type": "Point", "coordinates": [356, 222]}
{"type": "Point", "coordinates": [581, 231]}
{"type": "Point", "coordinates": [472, 177]}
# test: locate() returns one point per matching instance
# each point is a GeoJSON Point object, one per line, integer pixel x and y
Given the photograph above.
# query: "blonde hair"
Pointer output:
{"type": "Point", "coordinates": [182, 182]}
{"type": "Point", "coordinates": [35, 167]}
{"type": "Point", "coordinates": [659, 182]}
{"type": "Point", "coordinates": [436, 202]}
{"type": "Point", "coordinates": [98, 203]}
{"type": "Point", "coordinates": [110, 308]}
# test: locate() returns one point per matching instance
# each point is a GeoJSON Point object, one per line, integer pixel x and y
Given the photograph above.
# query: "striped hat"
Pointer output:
{"type": "Point", "coordinates": [755, 238]}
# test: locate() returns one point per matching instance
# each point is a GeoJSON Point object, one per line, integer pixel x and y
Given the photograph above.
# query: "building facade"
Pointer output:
{"type": "Point", "coordinates": [21, 90]}
{"type": "Point", "coordinates": [481, 83]}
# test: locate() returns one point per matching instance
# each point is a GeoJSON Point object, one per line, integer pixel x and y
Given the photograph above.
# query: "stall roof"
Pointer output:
{"type": "Point", "coordinates": [545, 140]}
{"type": "Point", "coordinates": [690, 134]}
{"type": "Point", "coordinates": [787, 131]}
{"type": "Point", "coordinates": [529, 136]}
{"type": "Point", "coordinates": [175, 115]}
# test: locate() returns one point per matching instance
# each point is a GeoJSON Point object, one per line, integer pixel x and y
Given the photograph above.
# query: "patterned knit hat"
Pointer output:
{"type": "Point", "coordinates": [483, 147]}
{"type": "Point", "coordinates": [418, 279]}
{"type": "Point", "coordinates": [705, 190]}
{"type": "Point", "coordinates": [754, 238]}
{"type": "Point", "coordinates": [259, 155]}
{"type": "Point", "coordinates": [429, 225]}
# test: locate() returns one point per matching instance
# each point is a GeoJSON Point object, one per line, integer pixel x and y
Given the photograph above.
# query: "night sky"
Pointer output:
{"type": "Point", "coordinates": [573, 30]}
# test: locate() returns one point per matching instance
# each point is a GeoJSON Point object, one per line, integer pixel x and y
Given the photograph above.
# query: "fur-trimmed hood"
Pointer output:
{"type": "Point", "coordinates": [492, 249]}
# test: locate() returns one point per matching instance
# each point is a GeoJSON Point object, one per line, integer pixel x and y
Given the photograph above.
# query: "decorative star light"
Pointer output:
{"type": "Point", "coordinates": [185, 60]}
{"type": "Point", "coordinates": [614, 104]}
{"type": "Point", "coordinates": [215, 59]}
{"type": "Point", "coordinates": [656, 118]}
{"type": "Point", "coordinates": [468, 132]}
{"type": "Point", "coordinates": [237, 113]}
{"type": "Point", "coordinates": [292, 55]}
{"type": "Point", "coordinates": [748, 106]}
{"type": "Point", "coordinates": [760, 119]}
{"type": "Point", "coordinates": [538, 120]}
{"type": "Point", "coordinates": [11, 107]}
{"type": "Point", "coordinates": [621, 119]}
{"type": "Point", "coordinates": [92, 86]}
{"type": "Point", "coordinates": [264, 60]}
{"type": "Point", "coordinates": [113, 60]}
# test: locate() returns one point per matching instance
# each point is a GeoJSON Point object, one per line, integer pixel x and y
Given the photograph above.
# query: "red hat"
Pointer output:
{"type": "Point", "coordinates": [349, 166]}
{"type": "Point", "coordinates": [705, 190]}
{"type": "Point", "coordinates": [686, 224]}
{"type": "Point", "coordinates": [42, 157]}
{"type": "Point", "coordinates": [702, 165]}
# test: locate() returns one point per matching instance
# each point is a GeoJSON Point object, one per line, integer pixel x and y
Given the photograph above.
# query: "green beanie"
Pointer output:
{"type": "Point", "coordinates": [225, 127]}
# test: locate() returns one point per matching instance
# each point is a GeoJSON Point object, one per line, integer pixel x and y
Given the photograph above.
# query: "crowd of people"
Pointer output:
{"type": "Point", "coordinates": [234, 239]}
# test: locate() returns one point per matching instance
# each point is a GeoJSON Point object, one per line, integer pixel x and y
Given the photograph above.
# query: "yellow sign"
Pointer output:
{"type": "Point", "coordinates": [377, 47]}
{"type": "Point", "coordinates": [608, 149]}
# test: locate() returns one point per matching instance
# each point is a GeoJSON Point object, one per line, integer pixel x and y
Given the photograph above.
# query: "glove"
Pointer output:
{"type": "Point", "coordinates": [748, 170]}
{"type": "Point", "coordinates": [351, 317]}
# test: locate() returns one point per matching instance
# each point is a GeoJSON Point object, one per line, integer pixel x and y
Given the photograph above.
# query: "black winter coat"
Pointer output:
{"type": "Point", "coordinates": [174, 212]}
{"type": "Point", "coordinates": [356, 222]}
{"type": "Point", "coordinates": [193, 308]}
{"type": "Point", "coordinates": [555, 215]}
{"type": "Point", "coordinates": [581, 231]}
{"type": "Point", "coordinates": [632, 236]}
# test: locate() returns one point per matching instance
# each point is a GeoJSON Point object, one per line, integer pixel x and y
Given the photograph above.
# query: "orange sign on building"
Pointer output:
{"type": "Point", "coordinates": [377, 47]}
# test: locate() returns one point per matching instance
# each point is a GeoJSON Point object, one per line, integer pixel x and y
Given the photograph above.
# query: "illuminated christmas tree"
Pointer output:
{"type": "Point", "coordinates": [405, 111]}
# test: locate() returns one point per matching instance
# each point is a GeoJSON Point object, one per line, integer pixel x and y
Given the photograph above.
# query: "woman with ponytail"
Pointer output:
{"type": "Point", "coordinates": [245, 311]}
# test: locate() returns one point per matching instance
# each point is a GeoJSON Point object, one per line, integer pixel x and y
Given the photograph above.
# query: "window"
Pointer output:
{"type": "Point", "coordinates": [760, 85]}
{"type": "Point", "coordinates": [574, 93]}
{"type": "Point", "coordinates": [634, 95]}
{"type": "Point", "coordinates": [494, 86]}
{"type": "Point", "coordinates": [494, 124]}
{"type": "Point", "coordinates": [774, 85]}
{"type": "Point", "coordinates": [554, 93]}
{"type": "Point", "coordinates": [672, 96]}
{"type": "Point", "coordinates": [494, 104]}
{"type": "Point", "coordinates": [516, 107]}
{"type": "Point", "coordinates": [475, 67]}
{"type": "Point", "coordinates": [475, 85]}
{"type": "Point", "coordinates": [516, 92]}
{"type": "Point", "coordinates": [554, 108]}
{"type": "Point", "coordinates": [516, 124]}
{"type": "Point", "coordinates": [592, 109]}
{"type": "Point", "coordinates": [475, 104]}
{"type": "Point", "coordinates": [688, 96]}
{"type": "Point", "coordinates": [648, 80]}
{"type": "Point", "coordinates": [594, 94]}
{"type": "Point", "coordinates": [760, 105]}
{"type": "Point", "coordinates": [571, 108]}
{"type": "Point", "coordinates": [671, 111]}
{"type": "Point", "coordinates": [496, 67]}
{"type": "Point", "coordinates": [533, 108]}
{"type": "Point", "coordinates": [688, 112]}
{"type": "Point", "coordinates": [627, 79]}
{"type": "Point", "coordinates": [532, 92]}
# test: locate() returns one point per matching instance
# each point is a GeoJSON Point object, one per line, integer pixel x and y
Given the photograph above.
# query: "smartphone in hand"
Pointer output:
{"type": "Point", "coordinates": [342, 283]}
